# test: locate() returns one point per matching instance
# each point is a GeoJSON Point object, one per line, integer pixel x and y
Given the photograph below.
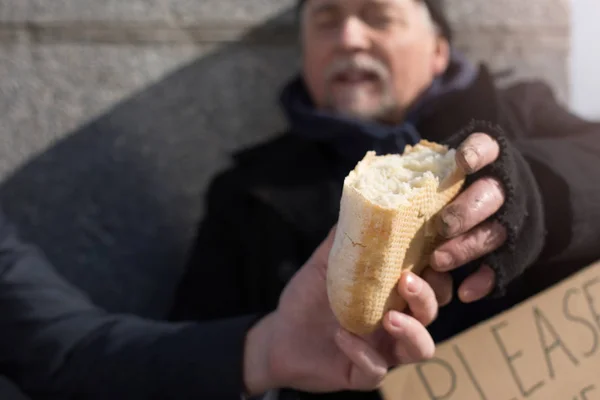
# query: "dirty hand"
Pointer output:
{"type": "Point", "coordinates": [466, 225]}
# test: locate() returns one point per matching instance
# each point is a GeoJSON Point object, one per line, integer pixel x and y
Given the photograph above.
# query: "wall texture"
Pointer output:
{"type": "Point", "coordinates": [114, 115]}
{"type": "Point", "coordinates": [585, 58]}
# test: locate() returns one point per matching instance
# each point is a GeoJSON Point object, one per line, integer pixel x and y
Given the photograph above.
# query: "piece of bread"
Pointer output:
{"type": "Point", "coordinates": [385, 227]}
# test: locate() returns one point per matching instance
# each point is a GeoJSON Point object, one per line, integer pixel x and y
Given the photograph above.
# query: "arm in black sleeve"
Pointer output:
{"type": "Point", "coordinates": [563, 151]}
{"type": "Point", "coordinates": [55, 343]}
{"type": "Point", "coordinates": [550, 175]}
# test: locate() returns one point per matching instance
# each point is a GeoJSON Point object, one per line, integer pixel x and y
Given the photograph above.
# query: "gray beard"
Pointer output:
{"type": "Point", "coordinates": [386, 112]}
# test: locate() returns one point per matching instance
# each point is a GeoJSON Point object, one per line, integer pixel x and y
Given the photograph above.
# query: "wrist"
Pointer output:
{"type": "Point", "coordinates": [258, 377]}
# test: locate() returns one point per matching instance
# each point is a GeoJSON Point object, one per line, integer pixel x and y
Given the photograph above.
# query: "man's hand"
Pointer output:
{"type": "Point", "coordinates": [465, 223]}
{"type": "Point", "coordinates": [302, 346]}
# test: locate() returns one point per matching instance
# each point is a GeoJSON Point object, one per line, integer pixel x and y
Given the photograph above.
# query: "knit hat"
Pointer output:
{"type": "Point", "coordinates": [438, 14]}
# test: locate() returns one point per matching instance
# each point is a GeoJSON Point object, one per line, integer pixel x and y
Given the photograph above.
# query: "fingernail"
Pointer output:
{"type": "Point", "coordinates": [443, 261]}
{"type": "Point", "coordinates": [413, 285]}
{"type": "Point", "coordinates": [467, 296]}
{"type": "Point", "coordinates": [395, 319]}
{"type": "Point", "coordinates": [471, 158]}
{"type": "Point", "coordinates": [343, 336]}
{"type": "Point", "coordinates": [450, 224]}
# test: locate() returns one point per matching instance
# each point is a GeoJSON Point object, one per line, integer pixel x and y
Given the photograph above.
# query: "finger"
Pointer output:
{"type": "Point", "coordinates": [369, 367]}
{"type": "Point", "coordinates": [476, 243]}
{"type": "Point", "coordinates": [419, 296]}
{"type": "Point", "coordinates": [441, 283]}
{"type": "Point", "coordinates": [477, 285]}
{"type": "Point", "coordinates": [477, 151]}
{"type": "Point", "coordinates": [476, 204]}
{"type": "Point", "coordinates": [413, 342]}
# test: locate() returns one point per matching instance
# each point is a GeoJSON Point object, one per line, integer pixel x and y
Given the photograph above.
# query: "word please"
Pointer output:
{"type": "Point", "coordinates": [546, 348]}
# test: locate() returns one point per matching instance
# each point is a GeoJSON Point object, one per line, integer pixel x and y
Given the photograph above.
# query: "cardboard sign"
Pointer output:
{"type": "Point", "coordinates": [545, 348]}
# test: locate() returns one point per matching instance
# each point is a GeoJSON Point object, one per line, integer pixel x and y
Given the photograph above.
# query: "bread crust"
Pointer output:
{"type": "Point", "coordinates": [374, 245]}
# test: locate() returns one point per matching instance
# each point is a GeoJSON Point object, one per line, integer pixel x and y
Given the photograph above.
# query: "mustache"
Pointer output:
{"type": "Point", "coordinates": [363, 64]}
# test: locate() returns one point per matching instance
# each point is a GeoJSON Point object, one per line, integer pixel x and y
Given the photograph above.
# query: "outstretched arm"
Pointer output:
{"type": "Point", "coordinates": [55, 342]}
{"type": "Point", "coordinates": [546, 179]}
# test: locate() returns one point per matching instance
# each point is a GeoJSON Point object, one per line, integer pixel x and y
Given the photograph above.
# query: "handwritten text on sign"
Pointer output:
{"type": "Point", "coordinates": [545, 348]}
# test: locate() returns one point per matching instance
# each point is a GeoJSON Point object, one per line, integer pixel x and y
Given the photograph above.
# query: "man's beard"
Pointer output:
{"type": "Point", "coordinates": [367, 92]}
{"type": "Point", "coordinates": [382, 108]}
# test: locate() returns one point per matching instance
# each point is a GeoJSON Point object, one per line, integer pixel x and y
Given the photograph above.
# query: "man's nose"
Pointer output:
{"type": "Point", "coordinates": [353, 35]}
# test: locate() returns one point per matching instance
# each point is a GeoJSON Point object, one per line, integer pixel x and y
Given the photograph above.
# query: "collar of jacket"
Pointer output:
{"type": "Point", "coordinates": [353, 137]}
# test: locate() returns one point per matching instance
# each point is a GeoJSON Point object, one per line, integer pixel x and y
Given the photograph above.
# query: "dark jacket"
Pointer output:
{"type": "Point", "coordinates": [271, 209]}
{"type": "Point", "coordinates": [55, 344]}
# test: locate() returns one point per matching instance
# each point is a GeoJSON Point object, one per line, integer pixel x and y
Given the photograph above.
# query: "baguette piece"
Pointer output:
{"type": "Point", "coordinates": [386, 227]}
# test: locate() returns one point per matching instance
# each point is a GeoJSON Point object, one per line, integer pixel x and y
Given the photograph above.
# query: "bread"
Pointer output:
{"type": "Point", "coordinates": [386, 226]}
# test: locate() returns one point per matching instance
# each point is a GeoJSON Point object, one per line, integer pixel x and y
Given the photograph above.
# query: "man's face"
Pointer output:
{"type": "Point", "coordinates": [369, 58]}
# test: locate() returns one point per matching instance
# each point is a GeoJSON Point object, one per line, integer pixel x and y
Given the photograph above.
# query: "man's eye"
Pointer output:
{"type": "Point", "coordinates": [326, 22]}
{"type": "Point", "coordinates": [379, 20]}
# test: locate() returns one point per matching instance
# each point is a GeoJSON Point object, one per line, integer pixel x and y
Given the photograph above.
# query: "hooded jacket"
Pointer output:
{"type": "Point", "coordinates": [268, 212]}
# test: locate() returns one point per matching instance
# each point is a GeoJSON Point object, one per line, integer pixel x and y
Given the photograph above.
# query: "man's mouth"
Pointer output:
{"type": "Point", "coordinates": [356, 77]}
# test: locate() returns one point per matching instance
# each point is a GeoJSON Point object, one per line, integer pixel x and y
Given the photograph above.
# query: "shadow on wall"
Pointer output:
{"type": "Point", "coordinates": [114, 205]}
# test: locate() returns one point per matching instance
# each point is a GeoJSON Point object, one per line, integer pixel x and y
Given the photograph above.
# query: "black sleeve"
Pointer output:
{"type": "Point", "coordinates": [230, 267]}
{"type": "Point", "coordinates": [550, 175]}
{"type": "Point", "coordinates": [55, 343]}
{"type": "Point", "coordinates": [213, 285]}
{"type": "Point", "coordinates": [563, 151]}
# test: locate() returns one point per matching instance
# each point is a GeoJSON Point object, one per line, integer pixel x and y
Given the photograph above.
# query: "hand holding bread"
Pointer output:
{"type": "Point", "coordinates": [406, 212]}
{"type": "Point", "coordinates": [366, 270]}
{"type": "Point", "coordinates": [467, 223]}
{"type": "Point", "coordinates": [386, 226]}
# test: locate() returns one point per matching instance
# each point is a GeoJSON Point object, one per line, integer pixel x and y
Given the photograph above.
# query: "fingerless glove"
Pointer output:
{"type": "Point", "coordinates": [522, 213]}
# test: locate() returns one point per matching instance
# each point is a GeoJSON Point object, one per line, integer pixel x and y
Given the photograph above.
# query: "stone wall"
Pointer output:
{"type": "Point", "coordinates": [529, 38]}
{"type": "Point", "coordinates": [115, 114]}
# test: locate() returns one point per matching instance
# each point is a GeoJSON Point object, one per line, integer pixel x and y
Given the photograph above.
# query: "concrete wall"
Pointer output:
{"type": "Point", "coordinates": [531, 38]}
{"type": "Point", "coordinates": [114, 115]}
{"type": "Point", "coordinates": [585, 58]}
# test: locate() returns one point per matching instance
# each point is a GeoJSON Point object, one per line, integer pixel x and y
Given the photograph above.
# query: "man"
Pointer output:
{"type": "Point", "coordinates": [54, 343]}
{"type": "Point", "coordinates": [377, 75]}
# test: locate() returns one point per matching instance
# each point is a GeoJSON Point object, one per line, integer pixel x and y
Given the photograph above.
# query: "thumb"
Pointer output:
{"type": "Point", "coordinates": [320, 256]}
{"type": "Point", "coordinates": [368, 366]}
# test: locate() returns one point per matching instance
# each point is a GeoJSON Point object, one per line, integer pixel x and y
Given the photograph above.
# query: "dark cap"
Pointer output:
{"type": "Point", "coordinates": [438, 14]}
